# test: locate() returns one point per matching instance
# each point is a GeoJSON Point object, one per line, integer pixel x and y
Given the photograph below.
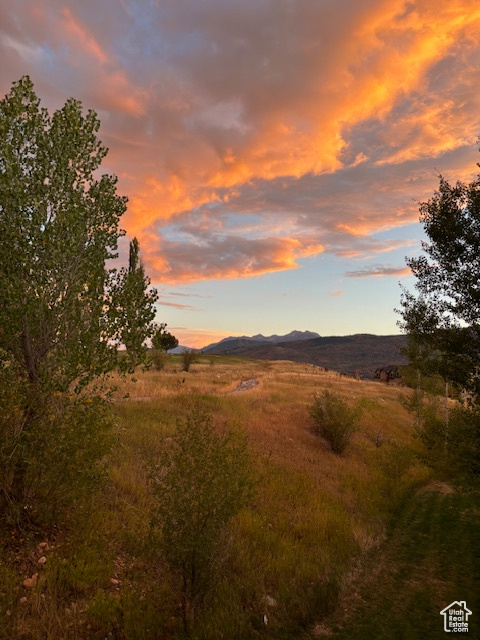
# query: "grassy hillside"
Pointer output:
{"type": "Point", "coordinates": [431, 558]}
{"type": "Point", "coordinates": [359, 354]}
{"type": "Point", "coordinates": [287, 555]}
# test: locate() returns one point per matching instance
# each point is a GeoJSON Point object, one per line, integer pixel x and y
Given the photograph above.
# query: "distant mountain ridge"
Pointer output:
{"type": "Point", "coordinates": [236, 341]}
{"type": "Point", "coordinates": [356, 354]}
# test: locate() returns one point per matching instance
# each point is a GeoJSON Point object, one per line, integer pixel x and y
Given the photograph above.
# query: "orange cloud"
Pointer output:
{"type": "Point", "coordinates": [315, 124]}
{"type": "Point", "coordinates": [385, 57]}
{"type": "Point", "coordinates": [224, 258]}
{"type": "Point", "coordinates": [83, 38]}
{"type": "Point", "coordinates": [400, 49]}
{"type": "Point", "coordinates": [120, 94]}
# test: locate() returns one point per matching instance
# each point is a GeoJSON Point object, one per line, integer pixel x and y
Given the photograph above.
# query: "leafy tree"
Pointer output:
{"type": "Point", "coordinates": [61, 307]}
{"type": "Point", "coordinates": [137, 301]}
{"type": "Point", "coordinates": [162, 340]}
{"type": "Point", "coordinates": [444, 320]}
{"type": "Point", "coordinates": [200, 481]}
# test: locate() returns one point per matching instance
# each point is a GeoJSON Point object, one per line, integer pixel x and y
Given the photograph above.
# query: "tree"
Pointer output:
{"type": "Point", "coordinates": [61, 306]}
{"type": "Point", "coordinates": [162, 340]}
{"type": "Point", "coordinates": [444, 320]}
{"type": "Point", "coordinates": [200, 482]}
{"type": "Point", "coordinates": [137, 303]}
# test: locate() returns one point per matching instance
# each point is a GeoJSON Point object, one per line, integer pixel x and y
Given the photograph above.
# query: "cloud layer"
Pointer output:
{"type": "Point", "coordinates": [251, 136]}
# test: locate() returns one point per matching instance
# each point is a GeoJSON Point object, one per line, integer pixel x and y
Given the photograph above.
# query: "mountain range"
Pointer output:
{"type": "Point", "coordinates": [227, 344]}
{"type": "Point", "coordinates": [356, 354]}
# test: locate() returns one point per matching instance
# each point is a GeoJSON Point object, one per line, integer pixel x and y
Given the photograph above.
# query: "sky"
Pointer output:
{"type": "Point", "coordinates": [274, 152]}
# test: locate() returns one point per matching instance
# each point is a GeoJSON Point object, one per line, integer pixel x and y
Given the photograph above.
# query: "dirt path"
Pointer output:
{"type": "Point", "coordinates": [246, 385]}
{"type": "Point", "coordinates": [431, 560]}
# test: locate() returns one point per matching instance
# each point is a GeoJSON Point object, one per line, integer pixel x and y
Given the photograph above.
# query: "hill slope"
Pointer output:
{"type": "Point", "coordinates": [362, 353]}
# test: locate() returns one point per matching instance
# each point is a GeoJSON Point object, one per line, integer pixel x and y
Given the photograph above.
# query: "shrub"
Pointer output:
{"type": "Point", "coordinates": [58, 459]}
{"type": "Point", "coordinates": [159, 360]}
{"type": "Point", "coordinates": [188, 358]}
{"type": "Point", "coordinates": [200, 482]}
{"type": "Point", "coordinates": [334, 420]}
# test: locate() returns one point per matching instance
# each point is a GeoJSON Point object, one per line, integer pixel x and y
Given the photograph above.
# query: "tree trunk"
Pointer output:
{"type": "Point", "coordinates": [17, 494]}
{"type": "Point", "coordinates": [28, 357]}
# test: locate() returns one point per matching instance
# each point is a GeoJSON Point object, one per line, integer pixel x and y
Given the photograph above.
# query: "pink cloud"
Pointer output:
{"type": "Point", "coordinates": [83, 39]}
{"type": "Point", "coordinates": [175, 305]}
{"type": "Point", "coordinates": [378, 271]}
{"type": "Point", "coordinates": [224, 257]}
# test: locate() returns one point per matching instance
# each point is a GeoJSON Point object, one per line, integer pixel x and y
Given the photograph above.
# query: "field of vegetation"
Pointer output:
{"type": "Point", "coordinates": [287, 553]}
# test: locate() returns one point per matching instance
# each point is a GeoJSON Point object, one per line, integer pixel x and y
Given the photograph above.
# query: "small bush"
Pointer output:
{"type": "Point", "coordinates": [159, 360]}
{"type": "Point", "coordinates": [200, 482]}
{"type": "Point", "coordinates": [188, 358]}
{"type": "Point", "coordinates": [334, 420]}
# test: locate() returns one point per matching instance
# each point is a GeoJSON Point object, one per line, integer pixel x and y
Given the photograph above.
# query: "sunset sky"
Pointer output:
{"type": "Point", "coordinates": [273, 151]}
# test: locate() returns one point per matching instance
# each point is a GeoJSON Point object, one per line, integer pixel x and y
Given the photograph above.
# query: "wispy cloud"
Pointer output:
{"type": "Point", "coordinates": [177, 294]}
{"type": "Point", "coordinates": [377, 271]}
{"type": "Point", "coordinates": [176, 305]}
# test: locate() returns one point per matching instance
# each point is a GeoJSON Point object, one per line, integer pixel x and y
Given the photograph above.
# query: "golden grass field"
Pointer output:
{"type": "Point", "coordinates": [313, 516]}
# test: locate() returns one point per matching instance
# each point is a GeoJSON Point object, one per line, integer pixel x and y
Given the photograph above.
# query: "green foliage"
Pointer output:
{"type": "Point", "coordinates": [58, 226]}
{"type": "Point", "coordinates": [452, 448]}
{"type": "Point", "coordinates": [57, 460]}
{"type": "Point", "coordinates": [162, 340]}
{"type": "Point", "coordinates": [63, 313]}
{"type": "Point", "coordinates": [188, 358]}
{"type": "Point", "coordinates": [444, 321]}
{"type": "Point", "coordinates": [430, 384]}
{"type": "Point", "coordinates": [137, 615]}
{"type": "Point", "coordinates": [105, 611]}
{"type": "Point", "coordinates": [334, 420]}
{"type": "Point", "coordinates": [200, 482]}
{"type": "Point", "coordinates": [81, 570]}
{"type": "Point", "coordinates": [136, 310]}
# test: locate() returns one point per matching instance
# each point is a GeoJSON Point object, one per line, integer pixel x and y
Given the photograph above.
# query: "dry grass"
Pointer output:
{"type": "Point", "coordinates": [313, 515]}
